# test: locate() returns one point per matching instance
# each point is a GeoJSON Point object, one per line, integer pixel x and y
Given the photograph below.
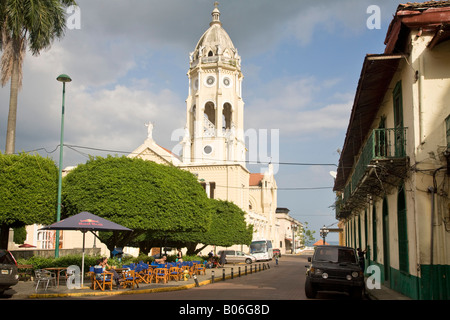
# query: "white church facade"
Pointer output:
{"type": "Point", "coordinates": [213, 146]}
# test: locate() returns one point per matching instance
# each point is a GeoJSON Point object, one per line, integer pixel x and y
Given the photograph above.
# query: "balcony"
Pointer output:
{"type": "Point", "coordinates": [215, 60]}
{"type": "Point", "coordinates": [382, 164]}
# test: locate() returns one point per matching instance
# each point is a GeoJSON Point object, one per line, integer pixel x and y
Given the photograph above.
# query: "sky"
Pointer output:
{"type": "Point", "coordinates": [128, 61]}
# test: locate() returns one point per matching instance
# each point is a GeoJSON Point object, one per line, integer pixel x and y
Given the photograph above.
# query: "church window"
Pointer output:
{"type": "Point", "coordinates": [210, 112]}
{"type": "Point", "coordinates": [210, 53]}
{"type": "Point", "coordinates": [210, 81]}
{"type": "Point", "coordinates": [227, 116]}
{"type": "Point", "coordinates": [207, 149]}
{"type": "Point", "coordinates": [212, 189]}
{"type": "Point", "coordinates": [227, 82]}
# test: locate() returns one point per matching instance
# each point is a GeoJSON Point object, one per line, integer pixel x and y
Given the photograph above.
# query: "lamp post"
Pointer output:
{"type": "Point", "coordinates": [62, 78]}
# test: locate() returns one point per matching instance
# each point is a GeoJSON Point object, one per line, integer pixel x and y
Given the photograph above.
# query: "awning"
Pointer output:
{"type": "Point", "coordinates": [376, 75]}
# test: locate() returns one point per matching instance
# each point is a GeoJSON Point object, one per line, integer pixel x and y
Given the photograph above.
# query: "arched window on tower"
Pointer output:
{"type": "Point", "coordinates": [210, 119]}
{"type": "Point", "coordinates": [227, 115]}
{"type": "Point", "coordinates": [192, 121]}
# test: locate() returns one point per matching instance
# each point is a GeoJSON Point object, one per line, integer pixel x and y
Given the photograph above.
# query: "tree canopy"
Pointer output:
{"type": "Point", "coordinates": [228, 227]}
{"type": "Point", "coordinates": [28, 191]}
{"type": "Point", "coordinates": [138, 194]}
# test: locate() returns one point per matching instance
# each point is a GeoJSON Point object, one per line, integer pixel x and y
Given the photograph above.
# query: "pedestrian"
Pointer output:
{"type": "Point", "coordinates": [222, 259]}
{"type": "Point", "coordinates": [179, 256]}
{"type": "Point", "coordinates": [361, 255]}
{"type": "Point", "coordinates": [276, 258]}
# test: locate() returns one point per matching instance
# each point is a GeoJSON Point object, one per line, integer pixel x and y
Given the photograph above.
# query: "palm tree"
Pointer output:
{"type": "Point", "coordinates": [32, 23]}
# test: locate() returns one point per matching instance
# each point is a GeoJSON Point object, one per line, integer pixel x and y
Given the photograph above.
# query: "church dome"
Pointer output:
{"type": "Point", "coordinates": [214, 43]}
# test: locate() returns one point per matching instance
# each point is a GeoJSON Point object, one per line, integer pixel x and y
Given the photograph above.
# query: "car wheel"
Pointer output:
{"type": "Point", "coordinates": [310, 291]}
{"type": "Point", "coordinates": [248, 261]}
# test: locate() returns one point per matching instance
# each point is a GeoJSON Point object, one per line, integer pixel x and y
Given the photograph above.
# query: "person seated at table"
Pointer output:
{"type": "Point", "coordinates": [103, 262]}
{"type": "Point", "coordinates": [161, 261]}
{"type": "Point", "coordinates": [210, 263]}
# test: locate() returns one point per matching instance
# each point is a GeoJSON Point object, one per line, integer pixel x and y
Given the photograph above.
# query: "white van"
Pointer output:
{"type": "Point", "coordinates": [235, 256]}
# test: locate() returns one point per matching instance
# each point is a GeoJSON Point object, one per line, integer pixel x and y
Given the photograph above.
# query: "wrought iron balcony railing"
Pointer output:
{"type": "Point", "coordinates": [382, 145]}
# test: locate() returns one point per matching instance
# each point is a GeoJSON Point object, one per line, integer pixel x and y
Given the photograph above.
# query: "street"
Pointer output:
{"type": "Point", "coordinates": [283, 282]}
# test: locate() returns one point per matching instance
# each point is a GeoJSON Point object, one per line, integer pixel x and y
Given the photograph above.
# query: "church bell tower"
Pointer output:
{"type": "Point", "coordinates": [214, 131]}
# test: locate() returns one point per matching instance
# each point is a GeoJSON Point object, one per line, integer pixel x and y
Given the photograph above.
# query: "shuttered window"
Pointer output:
{"type": "Point", "coordinates": [402, 232]}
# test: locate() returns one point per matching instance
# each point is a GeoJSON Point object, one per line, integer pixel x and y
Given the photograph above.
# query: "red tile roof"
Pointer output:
{"type": "Point", "coordinates": [255, 179]}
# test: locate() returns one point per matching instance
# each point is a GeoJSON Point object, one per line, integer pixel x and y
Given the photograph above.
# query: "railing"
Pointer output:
{"type": "Point", "coordinates": [209, 129]}
{"type": "Point", "coordinates": [383, 144]}
{"type": "Point", "coordinates": [216, 59]}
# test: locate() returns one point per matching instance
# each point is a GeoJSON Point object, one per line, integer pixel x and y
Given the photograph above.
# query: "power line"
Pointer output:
{"type": "Point", "coordinates": [73, 147]}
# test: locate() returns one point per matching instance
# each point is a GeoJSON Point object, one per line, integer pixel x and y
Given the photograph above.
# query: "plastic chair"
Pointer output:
{"type": "Point", "coordinates": [175, 273]}
{"type": "Point", "coordinates": [102, 279]}
{"type": "Point", "coordinates": [161, 274]}
{"type": "Point", "coordinates": [143, 274]}
{"type": "Point", "coordinates": [44, 276]}
{"type": "Point", "coordinates": [129, 279]}
{"type": "Point", "coordinates": [200, 268]}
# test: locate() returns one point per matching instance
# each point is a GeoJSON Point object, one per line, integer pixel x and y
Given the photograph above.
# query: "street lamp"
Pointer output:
{"type": "Point", "coordinates": [62, 78]}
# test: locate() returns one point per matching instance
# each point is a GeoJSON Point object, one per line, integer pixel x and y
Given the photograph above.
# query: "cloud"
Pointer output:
{"type": "Point", "coordinates": [296, 107]}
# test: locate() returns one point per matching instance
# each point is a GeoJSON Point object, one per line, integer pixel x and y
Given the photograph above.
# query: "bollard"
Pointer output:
{"type": "Point", "coordinates": [196, 281]}
{"type": "Point", "coordinates": [239, 272]}
{"type": "Point", "coordinates": [223, 274]}
{"type": "Point", "coordinates": [268, 266]}
{"type": "Point", "coordinates": [231, 273]}
{"type": "Point", "coordinates": [212, 276]}
{"type": "Point", "coordinates": [251, 269]}
{"type": "Point", "coordinates": [259, 267]}
{"type": "Point", "coordinates": [255, 268]}
{"type": "Point", "coordinates": [245, 270]}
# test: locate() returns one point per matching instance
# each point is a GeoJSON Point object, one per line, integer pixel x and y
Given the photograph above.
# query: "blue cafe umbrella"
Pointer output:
{"type": "Point", "coordinates": [84, 222]}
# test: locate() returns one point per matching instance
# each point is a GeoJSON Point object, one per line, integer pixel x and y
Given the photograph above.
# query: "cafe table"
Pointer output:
{"type": "Point", "coordinates": [57, 271]}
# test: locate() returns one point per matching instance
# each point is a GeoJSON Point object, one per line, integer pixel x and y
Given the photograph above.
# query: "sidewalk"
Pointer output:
{"type": "Point", "coordinates": [384, 293]}
{"type": "Point", "coordinates": [26, 290]}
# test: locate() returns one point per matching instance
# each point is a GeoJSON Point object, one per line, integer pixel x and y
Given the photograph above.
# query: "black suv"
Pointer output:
{"type": "Point", "coordinates": [334, 268]}
{"type": "Point", "coordinates": [8, 271]}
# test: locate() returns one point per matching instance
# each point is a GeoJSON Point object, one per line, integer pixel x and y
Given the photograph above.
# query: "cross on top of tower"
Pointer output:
{"type": "Point", "coordinates": [216, 14]}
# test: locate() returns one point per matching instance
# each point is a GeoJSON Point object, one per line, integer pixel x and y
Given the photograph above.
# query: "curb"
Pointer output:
{"type": "Point", "coordinates": [139, 291]}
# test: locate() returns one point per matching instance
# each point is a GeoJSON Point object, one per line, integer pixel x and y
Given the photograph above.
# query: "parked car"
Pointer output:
{"type": "Point", "coordinates": [235, 256]}
{"type": "Point", "coordinates": [334, 268]}
{"type": "Point", "coordinates": [9, 275]}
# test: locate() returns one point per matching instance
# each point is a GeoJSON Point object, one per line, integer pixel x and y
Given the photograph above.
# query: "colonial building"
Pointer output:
{"type": "Point", "coordinates": [393, 177]}
{"type": "Point", "coordinates": [213, 146]}
{"type": "Point", "coordinates": [289, 240]}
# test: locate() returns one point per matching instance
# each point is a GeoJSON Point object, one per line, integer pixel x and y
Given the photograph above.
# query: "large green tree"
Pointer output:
{"type": "Point", "coordinates": [32, 23]}
{"type": "Point", "coordinates": [228, 227]}
{"type": "Point", "coordinates": [138, 194]}
{"type": "Point", "coordinates": [28, 192]}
